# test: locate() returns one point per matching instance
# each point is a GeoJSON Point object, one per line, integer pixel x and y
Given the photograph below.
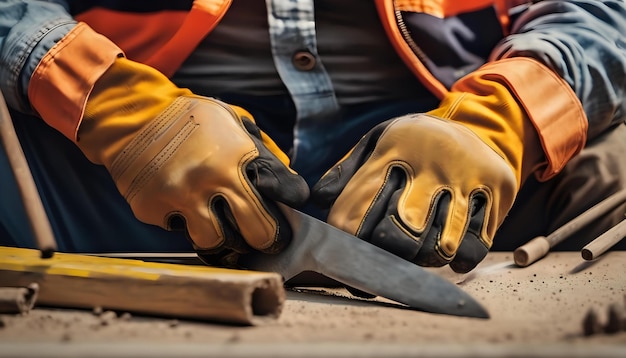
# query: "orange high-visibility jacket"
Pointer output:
{"type": "Point", "coordinates": [544, 77]}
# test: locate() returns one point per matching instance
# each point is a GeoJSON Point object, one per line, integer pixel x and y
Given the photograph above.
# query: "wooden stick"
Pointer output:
{"type": "Point", "coordinates": [539, 247]}
{"type": "Point", "coordinates": [196, 292]}
{"type": "Point", "coordinates": [38, 219]}
{"type": "Point", "coordinates": [604, 242]}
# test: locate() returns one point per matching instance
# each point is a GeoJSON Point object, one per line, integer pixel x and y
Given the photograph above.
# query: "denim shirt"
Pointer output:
{"type": "Point", "coordinates": [27, 31]}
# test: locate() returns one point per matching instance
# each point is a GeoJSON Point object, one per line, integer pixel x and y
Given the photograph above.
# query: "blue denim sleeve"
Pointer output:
{"type": "Point", "coordinates": [28, 29]}
{"type": "Point", "coordinates": [585, 43]}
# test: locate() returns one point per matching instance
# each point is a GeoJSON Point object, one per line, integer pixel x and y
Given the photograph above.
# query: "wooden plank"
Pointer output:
{"type": "Point", "coordinates": [161, 289]}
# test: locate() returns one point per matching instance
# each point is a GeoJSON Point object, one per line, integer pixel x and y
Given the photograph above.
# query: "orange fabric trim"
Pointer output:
{"type": "Point", "coordinates": [551, 105]}
{"type": "Point", "coordinates": [387, 14]}
{"type": "Point", "coordinates": [502, 9]}
{"type": "Point", "coordinates": [162, 39]}
{"type": "Point", "coordinates": [65, 76]}
{"type": "Point", "coordinates": [203, 17]}
{"type": "Point", "coordinates": [139, 35]}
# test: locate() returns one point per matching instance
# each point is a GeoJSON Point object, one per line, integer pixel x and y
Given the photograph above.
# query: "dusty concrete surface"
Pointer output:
{"type": "Point", "coordinates": [537, 311]}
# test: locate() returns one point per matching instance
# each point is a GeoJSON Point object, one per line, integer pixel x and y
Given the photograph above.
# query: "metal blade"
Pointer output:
{"type": "Point", "coordinates": [322, 248]}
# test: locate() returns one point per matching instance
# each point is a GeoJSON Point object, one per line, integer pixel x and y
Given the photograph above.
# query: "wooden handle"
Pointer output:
{"type": "Point", "coordinates": [604, 242]}
{"type": "Point", "coordinates": [540, 246]}
{"type": "Point", "coordinates": [38, 219]}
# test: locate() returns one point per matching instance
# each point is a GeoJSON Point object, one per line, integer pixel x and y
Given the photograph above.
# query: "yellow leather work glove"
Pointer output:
{"type": "Point", "coordinates": [185, 162]}
{"type": "Point", "coordinates": [433, 188]}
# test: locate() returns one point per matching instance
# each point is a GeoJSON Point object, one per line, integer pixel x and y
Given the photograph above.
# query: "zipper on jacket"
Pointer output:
{"type": "Point", "coordinates": [407, 36]}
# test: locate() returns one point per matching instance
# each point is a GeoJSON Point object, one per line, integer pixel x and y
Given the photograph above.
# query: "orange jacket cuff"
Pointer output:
{"type": "Point", "coordinates": [551, 105]}
{"type": "Point", "coordinates": [65, 76]}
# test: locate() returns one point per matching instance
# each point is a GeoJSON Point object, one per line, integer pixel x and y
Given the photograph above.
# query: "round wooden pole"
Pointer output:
{"type": "Point", "coordinates": [538, 247]}
{"type": "Point", "coordinates": [38, 219]}
{"type": "Point", "coordinates": [604, 242]}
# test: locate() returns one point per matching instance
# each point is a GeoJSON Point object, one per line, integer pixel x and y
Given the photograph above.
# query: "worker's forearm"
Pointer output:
{"type": "Point", "coordinates": [585, 44]}
{"type": "Point", "coordinates": [28, 29]}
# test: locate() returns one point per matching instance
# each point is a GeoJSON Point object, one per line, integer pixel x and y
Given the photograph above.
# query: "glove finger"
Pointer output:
{"type": "Point", "coordinates": [234, 244]}
{"type": "Point", "coordinates": [430, 254]}
{"type": "Point", "coordinates": [383, 226]}
{"type": "Point", "coordinates": [233, 240]}
{"type": "Point", "coordinates": [273, 179]}
{"type": "Point", "coordinates": [384, 205]}
{"type": "Point", "coordinates": [472, 249]}
{"type": "Point", "coordinates": [276, 182]}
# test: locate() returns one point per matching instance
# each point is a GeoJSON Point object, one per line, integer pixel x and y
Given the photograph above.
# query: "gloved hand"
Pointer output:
{"type": "Point", "coordinates": [433, 188]}
{"type": "Point", "coordinates": [185, 162]}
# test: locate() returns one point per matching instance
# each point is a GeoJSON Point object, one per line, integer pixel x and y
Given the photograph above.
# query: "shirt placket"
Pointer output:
{"type": "Point", "coordinates": [294, 49]}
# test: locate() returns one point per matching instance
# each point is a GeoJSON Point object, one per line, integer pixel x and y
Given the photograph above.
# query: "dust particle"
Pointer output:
{"type": "Point", "coordinates": [97, 310]}
{"type": "Point", "coordinates": [107, 317]}
{"type": "Point", "coordinates": [233, 338]}
{"type": "Point", "coordinates": [66, 337]}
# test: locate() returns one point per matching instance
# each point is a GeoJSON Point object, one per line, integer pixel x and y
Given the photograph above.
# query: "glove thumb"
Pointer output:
{"type": "Point", "coordinates": [331, 184]}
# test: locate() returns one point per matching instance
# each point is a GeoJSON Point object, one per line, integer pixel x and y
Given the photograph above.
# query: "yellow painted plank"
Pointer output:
{"type": "Point", "coordinates": [162, 289]}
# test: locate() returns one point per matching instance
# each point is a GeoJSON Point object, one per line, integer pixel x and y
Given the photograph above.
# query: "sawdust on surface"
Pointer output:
{"type": "Point", "coordinates": [544, 303]}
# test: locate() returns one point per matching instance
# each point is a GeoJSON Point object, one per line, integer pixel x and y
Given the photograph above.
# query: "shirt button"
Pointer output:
{"type": "Point", "coordinates": [303, 60]}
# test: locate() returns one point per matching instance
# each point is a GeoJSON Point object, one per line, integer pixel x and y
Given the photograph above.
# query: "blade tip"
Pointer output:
{"type": "Point", "coordinates": [463, 307]}
{"type": "Point", "coordinates": [473, 309]}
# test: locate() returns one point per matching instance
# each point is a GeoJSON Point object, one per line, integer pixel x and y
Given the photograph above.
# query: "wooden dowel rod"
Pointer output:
{"type": "Point", "coordinates": [38, 219]}
{"type": "Point", "coordinates": [539, 247]}
{"type": "Point", "coordinates": [604, 242]}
